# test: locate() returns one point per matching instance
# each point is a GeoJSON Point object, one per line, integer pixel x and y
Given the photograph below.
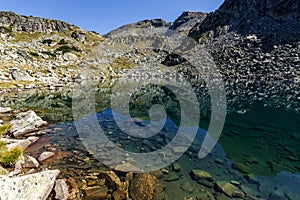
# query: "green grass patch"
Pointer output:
{"type": "Point", "coordinates": [66, 49]}
{"type": "Point", "coordinates": [8, 158]}
{"type": "Point", "coordinates": [4, 29]}
{"type": "Point", "coordinates": [123, 63]}
{"type": "Point", "coordinates": [4, 129]}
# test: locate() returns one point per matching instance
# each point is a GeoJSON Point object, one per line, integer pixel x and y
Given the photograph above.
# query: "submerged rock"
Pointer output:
{"type": "Point", "coordinates": [229, 189]}
{"type": "Point", "coordinates": [142, 187]}
{"type": "Point", "coordinates": [34, 186]}
{"type": "Point", "coordinates": [26, 122]}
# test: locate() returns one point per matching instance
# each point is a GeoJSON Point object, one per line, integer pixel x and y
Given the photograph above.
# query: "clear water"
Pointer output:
{"type": "Point", "coordinates": [259, 148]}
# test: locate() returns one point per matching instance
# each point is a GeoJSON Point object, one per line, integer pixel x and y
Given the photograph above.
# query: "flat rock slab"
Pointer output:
{"type": "Point", "coordinates": [34, 186]}
{"type": "Point", "coordinates": [26, 122]}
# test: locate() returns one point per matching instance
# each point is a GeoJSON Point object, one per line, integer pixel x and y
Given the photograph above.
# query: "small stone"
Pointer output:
{"type": "Point", "coordinates": [45, 155]}
{"type": "Point", "coordinates": [179, 149]}
{"type": "Point", "coordinates": [127, 167]}
{"type": "Point", "coordinates": [200, 174]}
{"type": "Point", "coordinates": [229, 189]}
{"type": "Point", "coordinates": [164, 171]}
{"type": "Point", "coordinates": [5, 110]}
{"type": "Point", "coordinates": [91, 183]}
{"type": "Point", "coordinates": [243, 168]}
{"type": "Point", "coordinates": [187, 187]}
{"type": "Point", "coordinates": [176, 167]}
{"type": "Point", "coordinates": [61, 189]}
{"type": "Point", "coordinates": [26, 161]}
{"type": "Point", "coordinates": [236, 183]}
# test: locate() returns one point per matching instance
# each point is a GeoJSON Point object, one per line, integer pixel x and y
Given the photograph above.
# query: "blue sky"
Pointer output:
{"type": "Point", "coordinates": [103, 16]}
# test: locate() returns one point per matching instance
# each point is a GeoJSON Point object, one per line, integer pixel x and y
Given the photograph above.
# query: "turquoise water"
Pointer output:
{"type": "Point", "coordinates": [259, 148]}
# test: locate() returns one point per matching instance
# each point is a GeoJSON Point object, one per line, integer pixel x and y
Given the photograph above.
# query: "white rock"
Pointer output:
{"type": "Point", "coordinates": [26, 122]}
{"type": "Point", "coordinates": [45, 155]}
{"type": "Point", "coordinates": [61, 189]}
{"type": "Point", "coordinates": [5, 110]}
{"type": "Point", "coordinates": [34, 186]}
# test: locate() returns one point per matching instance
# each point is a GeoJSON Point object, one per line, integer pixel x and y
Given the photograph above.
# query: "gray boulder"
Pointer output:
{"type": "Point", "coordinates": [26, 122]}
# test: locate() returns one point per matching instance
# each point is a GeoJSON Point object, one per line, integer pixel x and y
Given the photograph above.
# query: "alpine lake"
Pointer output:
{"type": "Point", "coordinates": [257, 152]}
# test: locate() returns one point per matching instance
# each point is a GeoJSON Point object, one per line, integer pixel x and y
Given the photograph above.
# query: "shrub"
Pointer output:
{"type": "Point", "coordinates": [8, 158]}
{"type": "Point", "coordinates": [4, 129]}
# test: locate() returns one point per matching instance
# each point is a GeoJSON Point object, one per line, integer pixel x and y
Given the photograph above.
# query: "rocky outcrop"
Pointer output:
{"type": "Point", "coordinates": [35, 186]}
{"type": "Point", "coordinates": [32, 24]}
{"type": "Point", "coordinates": [270, 18]}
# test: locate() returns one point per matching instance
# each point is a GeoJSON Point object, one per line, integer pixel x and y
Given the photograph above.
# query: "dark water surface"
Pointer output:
{"type": "Point", "coordinates": [259, 148]}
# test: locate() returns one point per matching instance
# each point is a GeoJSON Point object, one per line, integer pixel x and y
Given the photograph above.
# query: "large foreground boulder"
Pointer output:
{"type": "Point", "coordinates": [34, 186]}
{"type": "Point", "coordinates": [26, 122]}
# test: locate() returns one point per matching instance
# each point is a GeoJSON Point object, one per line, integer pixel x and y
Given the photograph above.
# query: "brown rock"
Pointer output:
{"type": "Point", "coordinates": [74, 191]}
{"type": "Point", "coordinates": [114, 182]}
{"type": "Point", "coordinates": [142, 187]}
{"type": "Point", "coordinates": [97, 192]}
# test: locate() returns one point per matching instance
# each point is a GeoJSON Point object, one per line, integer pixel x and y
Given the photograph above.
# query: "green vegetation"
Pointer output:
{"type": "Point", "coordinates": [34, 54]}
{"type": "Point", "coordinates": [123, 63]}
{"type": "Point", "coordinates": [25, 36]}
{"type": "Point", "coordinates": [49, 53]}
{"type": "Point", "coordinates": [62, 42]}
{"type": "Point", "coordinates": [66, 49]}
{"type": "Point", "coordinates": [4, 129]}
{"type": "Point", "coordinates": [8, 158]}
{"type": "Point", "coordinates": [47, 41]}
{"type": "Point", "coordinates": [4, 29]}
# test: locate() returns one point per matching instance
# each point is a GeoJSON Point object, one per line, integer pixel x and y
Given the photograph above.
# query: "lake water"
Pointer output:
{"type": "Point", "coordinates": [259, 147]}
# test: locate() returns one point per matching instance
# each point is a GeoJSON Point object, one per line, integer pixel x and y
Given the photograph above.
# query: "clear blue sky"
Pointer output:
{"type": "Point", "coordinates": [103, 16]}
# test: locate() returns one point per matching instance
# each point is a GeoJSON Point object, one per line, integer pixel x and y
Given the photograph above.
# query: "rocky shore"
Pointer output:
{"type": "Point", "coordinates": [50, 174]}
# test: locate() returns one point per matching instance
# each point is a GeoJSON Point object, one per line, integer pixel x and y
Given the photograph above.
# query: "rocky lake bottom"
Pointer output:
{"type": "Point", "coordinates": [256, 157]}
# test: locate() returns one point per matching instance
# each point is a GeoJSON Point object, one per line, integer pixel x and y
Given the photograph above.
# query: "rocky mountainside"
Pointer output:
{"type": "Point", "coordinates": [40, 52]}
{"type": "Point", "coordinates": [270, 18]}
{"type": "Point", "coordinates": [255, 45]}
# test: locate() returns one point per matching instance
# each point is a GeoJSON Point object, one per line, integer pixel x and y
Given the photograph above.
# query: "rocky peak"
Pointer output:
{"type": "Point", "coordinates": [32, 24]}
{"type": "Point", "coordinates": [152, 22]}
{"type": "Point", "coordinates": [260, 17]}
{"type": "Point", "coordinates": [187, 20]}
{"type": "Point", "coordinates": [137, 27]}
